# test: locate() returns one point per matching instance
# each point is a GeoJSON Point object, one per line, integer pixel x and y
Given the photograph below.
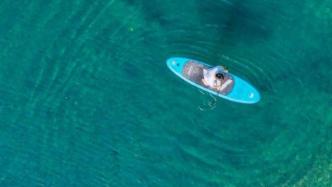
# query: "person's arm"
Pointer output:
{"type": "Point", "coordinates": [204, 82]}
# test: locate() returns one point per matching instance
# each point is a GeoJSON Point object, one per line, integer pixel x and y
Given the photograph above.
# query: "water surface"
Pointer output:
{"type": "Point", "coordinates": [86, 98]}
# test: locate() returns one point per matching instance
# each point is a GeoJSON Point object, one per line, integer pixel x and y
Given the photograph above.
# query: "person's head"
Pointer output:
{"type": "Point", "coordinates": [219, 75]}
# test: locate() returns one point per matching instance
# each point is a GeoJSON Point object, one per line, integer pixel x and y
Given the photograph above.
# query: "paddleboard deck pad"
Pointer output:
{"type": "Point", "coordinates": [193, 71]}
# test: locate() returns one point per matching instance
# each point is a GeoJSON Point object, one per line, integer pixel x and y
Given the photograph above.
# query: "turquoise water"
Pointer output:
{"type": "Point", "coordinates": [87, 99]}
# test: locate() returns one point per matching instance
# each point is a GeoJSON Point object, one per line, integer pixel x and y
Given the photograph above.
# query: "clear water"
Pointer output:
{"type": "Point", "coordinates": [86, 98]}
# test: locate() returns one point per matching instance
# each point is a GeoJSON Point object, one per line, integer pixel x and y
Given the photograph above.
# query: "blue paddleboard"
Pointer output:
{"type": "Point", "coordinates": [235, 89]}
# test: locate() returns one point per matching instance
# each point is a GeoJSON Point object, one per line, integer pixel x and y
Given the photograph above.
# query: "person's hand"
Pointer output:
{"type": "Point", "coordinates": [204, 82]}
{"type": "Point", "coordinates": [225, 69]}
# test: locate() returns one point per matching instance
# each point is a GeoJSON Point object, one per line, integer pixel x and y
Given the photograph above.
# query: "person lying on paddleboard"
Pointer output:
{"type": "Point", "coordinates": [214, 77]}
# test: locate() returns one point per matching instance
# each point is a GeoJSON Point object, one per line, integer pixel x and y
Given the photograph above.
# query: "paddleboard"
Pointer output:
{"type": "Point", "coordinates": [233, 87]}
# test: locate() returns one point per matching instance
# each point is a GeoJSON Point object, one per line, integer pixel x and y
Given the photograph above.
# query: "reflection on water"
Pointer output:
{"type": "Point", "coordinates": [209, 103]}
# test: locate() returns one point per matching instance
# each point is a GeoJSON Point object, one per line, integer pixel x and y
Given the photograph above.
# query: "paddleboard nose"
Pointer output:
{"type": "Point", "coordinates": [244, 92]}
{"type": "Point", "coordinates": [254, 96]}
